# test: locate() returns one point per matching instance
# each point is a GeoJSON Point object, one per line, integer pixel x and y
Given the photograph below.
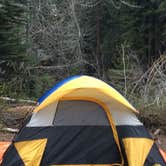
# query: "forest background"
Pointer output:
{"type": "Point", "coordinates": [122, 42]}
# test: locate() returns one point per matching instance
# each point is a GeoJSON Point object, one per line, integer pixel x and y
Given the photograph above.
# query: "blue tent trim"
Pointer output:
{"type": "Point", "coordinates": [47, 93]}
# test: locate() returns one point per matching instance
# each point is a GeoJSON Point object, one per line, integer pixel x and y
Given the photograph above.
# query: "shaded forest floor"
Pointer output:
{"type": "Point", "coordinates": [13, 117]}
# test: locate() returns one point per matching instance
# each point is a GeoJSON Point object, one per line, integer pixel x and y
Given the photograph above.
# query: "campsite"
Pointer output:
{"type": "Point", "coordinates": [72, 126]}
{"type": "Point", "coordinates": [82, 82]}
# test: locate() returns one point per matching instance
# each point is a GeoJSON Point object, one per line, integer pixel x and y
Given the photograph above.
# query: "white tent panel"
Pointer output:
{"type": "Point", "coordinates": [124, 117]}
{"type": "Point", "coordinates": [44, 117]}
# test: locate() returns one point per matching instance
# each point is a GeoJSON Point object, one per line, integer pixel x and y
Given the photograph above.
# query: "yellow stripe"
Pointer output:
{"type": "Point", "coordinates": [86, 83]}
{"type": "Point", "coordinates": [31, 151]}
{"type": "Point", "coordinates": [137, 150]}
{"type": "Point", "coordinates": [106, 109]}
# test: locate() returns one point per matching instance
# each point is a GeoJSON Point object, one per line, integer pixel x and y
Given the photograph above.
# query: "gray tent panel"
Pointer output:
{"type": "Point", "coordinates": [84, 113]}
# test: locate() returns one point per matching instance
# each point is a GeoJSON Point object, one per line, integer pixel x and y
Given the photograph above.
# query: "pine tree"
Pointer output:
{"type": "Point", "coordinates": [12, 44]}
{"type": "Point", "coordinates": [13, 72]}
{"type": "Point", "coordinates": [144, 29]}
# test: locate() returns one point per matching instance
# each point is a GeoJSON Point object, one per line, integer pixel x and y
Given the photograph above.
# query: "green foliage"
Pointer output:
{"type": "Point", "coordinates": [144, 29]}
{"type": "Point", "coordinates": [12, 46]}
{"type": "Point", "coordinates": [50, 31]}
{"type": "Point", "coordinates": [37, 85]}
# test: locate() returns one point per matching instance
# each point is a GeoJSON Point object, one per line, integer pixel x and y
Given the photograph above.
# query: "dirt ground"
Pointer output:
{"type": "Point", "coordinates": [13, 117]}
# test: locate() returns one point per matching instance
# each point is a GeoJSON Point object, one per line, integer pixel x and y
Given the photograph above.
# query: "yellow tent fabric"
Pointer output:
{"type": "Point", "coordinates": [87, 86]}
{"type": "Point", "coordinates": [31, 152]}
{"type": "Point", "coordinates": [137, 150]}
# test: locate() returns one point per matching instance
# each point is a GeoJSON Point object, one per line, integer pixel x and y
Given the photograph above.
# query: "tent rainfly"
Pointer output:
{"type": "Point", "coordinates": [82, 121]}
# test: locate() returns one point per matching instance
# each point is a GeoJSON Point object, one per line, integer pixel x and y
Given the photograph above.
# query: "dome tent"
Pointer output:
{"type": "Point", "coordinates": [83, 121]}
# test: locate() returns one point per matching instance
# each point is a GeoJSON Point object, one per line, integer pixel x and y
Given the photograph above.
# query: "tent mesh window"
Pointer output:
{"type": "Point", "coordinates": [82, 135]}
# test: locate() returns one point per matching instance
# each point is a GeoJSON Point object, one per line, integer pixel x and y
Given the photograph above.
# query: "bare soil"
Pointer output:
{"type": "Point", "coordinates": [14, 116]}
